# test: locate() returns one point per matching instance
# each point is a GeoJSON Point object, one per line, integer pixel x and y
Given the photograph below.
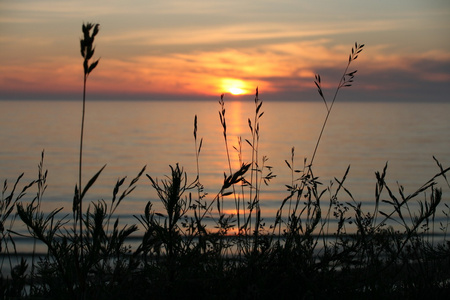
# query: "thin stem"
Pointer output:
{"type": "Point", "coordinates": [229, 166]}
{"type": "Point", "coordinates": [223, 121]}
{"type": "Point", "coordinates": [342, 83]}
{"type": "Point", "coordinates": [254, 163]}
{"type": "Point", "coordinates": [328, 114]}
{"type": "Point", "coordinates": [80, 204]}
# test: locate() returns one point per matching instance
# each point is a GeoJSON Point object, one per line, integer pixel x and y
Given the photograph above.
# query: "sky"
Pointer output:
{"type": "Point", "coordinates": [196, 49]}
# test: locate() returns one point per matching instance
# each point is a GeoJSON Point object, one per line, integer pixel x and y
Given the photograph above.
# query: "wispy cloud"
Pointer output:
{"type": "Point", "coordinates": [193, 47]}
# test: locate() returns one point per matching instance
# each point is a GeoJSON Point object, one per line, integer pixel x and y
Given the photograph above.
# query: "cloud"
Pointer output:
{"type": "Point", "coordinates": [287, 69]}
{"type": "Point", "coordinates": [190, 47]}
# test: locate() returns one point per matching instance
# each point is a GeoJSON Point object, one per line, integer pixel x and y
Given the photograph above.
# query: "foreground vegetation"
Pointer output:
{"type": "Point", "coordinates": [319, 246]}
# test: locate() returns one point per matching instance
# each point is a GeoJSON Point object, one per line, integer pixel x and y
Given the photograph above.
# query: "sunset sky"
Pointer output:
{"type": "Point", "coordinates": [164, 49]}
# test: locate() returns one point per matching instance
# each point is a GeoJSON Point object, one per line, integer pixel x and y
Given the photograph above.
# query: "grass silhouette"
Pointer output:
{"type": "Point", "coordinates": [87, 50]}
{"type": "Point", "coordinates": [88, 256]}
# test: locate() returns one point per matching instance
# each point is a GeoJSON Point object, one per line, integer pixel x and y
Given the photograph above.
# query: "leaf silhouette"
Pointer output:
{"type": "Point", "coordinates": [92, 66]}
{"type": "Point", "coordinates": [91, 182]}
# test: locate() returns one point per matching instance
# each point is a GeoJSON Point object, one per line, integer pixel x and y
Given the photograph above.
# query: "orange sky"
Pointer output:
{"type": "Point", "coordinates": [197, 49]}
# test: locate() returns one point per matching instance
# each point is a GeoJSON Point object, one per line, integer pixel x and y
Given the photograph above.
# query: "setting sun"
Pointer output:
{"type": "Point", "coordinates": [236, 91]}
{"type": "Point", "coordinates": [234, 86]}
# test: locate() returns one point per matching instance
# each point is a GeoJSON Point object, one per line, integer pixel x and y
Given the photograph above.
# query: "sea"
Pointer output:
{"type": "Point", "coordinates": [128, 135]}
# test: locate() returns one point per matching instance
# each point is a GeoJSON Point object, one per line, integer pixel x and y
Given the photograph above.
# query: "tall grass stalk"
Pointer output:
{"type": "Point", "coordinates": [345, 81]}
{"type": "Point", "coordinates": [308, 182]}
{"type": "Point", "coordinates": [249, 214]}
{"type": "Point", "coordinates": [255, 168]}
{"type": "Point", "coordinates": [198, 148]}
{"type": "Point", "coordinates": [41, 187]}
{"type": "Point", "coordinates": [87, 50]}
{"type": "Point", "coordinates": [224, 127]}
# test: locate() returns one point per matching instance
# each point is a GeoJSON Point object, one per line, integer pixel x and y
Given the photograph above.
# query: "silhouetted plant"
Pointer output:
{"type": "Point", "coordinates": [249, 214]}
{"type": "Point", "coordinates": [307, 186]}
{"type": "Point", "coordinates": [13, 285]}
{"type": "Point", "coordinates": [87, 50]}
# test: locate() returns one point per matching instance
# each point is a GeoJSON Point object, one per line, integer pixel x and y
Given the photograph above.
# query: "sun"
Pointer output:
{"type": "Point", "coordinates": [236, 91]}
{"type": "Point", "coordinates": [234, 86]}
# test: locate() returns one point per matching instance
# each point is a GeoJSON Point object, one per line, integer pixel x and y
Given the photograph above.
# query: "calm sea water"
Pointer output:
{"type": "Point", "coordinates": [128, 135]}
